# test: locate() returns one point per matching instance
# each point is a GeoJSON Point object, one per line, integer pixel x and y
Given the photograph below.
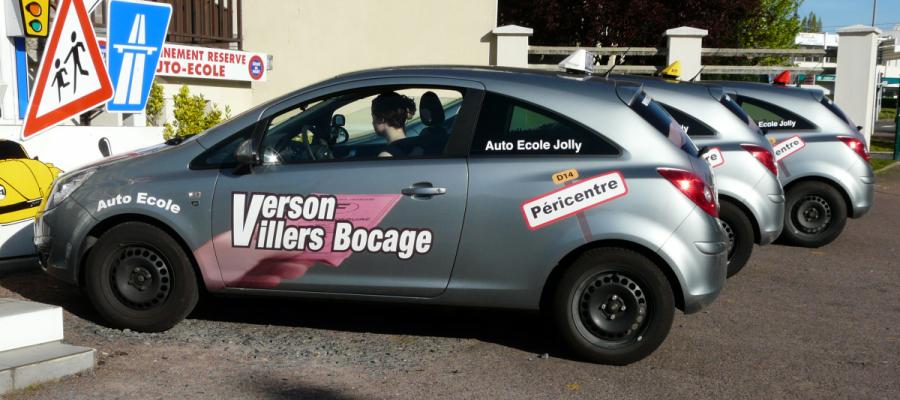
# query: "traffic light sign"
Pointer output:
{"type": "Point", "coordinates": [35, 15]}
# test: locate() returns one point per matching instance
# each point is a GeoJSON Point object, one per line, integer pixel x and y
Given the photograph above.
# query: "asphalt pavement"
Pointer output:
{"type": "Point", "coordinates": [795, 323]}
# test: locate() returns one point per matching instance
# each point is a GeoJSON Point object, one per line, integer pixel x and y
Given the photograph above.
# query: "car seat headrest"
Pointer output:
{"type": "Point", "coordinates": [430, 109]}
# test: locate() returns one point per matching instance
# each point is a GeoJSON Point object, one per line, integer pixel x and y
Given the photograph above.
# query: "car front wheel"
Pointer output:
{"type": "Point", "coordinates": [138, 277]}
{"type": "Point", "coordinates": [613, 306]}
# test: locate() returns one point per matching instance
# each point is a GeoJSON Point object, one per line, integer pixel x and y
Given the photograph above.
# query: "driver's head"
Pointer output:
{"type": "Point", "coordinates": [392, 110]}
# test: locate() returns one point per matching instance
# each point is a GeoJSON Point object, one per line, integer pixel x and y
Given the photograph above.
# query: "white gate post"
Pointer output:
{"type": "Point", "coordinates": [854, 86]}
{"type": "Point", "coordinates": [511, 46]}
{"type": "Point", "coordinates": [685, 45]}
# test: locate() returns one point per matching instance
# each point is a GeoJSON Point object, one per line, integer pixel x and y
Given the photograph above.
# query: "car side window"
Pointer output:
{"type": "Point", "coordinates": [508, 126]}
{"type": "Point", "coordinates": [772, 117]}
{"type": "Point", "coordinates": [652, 112]}
{"type": "Point", "coordinates": [373, 123]}
{"type": "Point", "coordinates": [690, 125]}
{"type": "Point", "coordinates": [11, 150]}
{"type": "Point", "coordinates": [221, 155]}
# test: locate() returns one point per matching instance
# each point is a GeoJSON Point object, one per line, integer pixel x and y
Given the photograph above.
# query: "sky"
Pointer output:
{"type": "Point", "coordinates": [839, 13]}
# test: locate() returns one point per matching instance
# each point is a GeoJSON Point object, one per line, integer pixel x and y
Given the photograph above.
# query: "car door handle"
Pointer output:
{"type": "Point", "coordinates": [423, 190]}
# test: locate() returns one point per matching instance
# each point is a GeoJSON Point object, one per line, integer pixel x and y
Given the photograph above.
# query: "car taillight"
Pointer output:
{"type": "Point", "coordinates": [693, 187]}
{"type": "Point", "coordinates": [856, 145]}
{"type": "Point", "coordinates": [762, 155]}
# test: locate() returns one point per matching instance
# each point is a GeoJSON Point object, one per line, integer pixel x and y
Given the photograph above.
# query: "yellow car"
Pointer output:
{"type": "Point", "coordinates": [24, 183]}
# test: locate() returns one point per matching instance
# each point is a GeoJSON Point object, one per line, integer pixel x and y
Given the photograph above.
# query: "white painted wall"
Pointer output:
{"type": "Point", "coordinates": [69, 147]}
{"type": "Point", "coordinates": [311, 40]}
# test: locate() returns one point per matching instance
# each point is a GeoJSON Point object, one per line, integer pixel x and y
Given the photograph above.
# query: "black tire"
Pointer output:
{"type": "Point", "coordinates": [814, 215]}
{"type": "Point", "coordinates": [613, 306]}
{"type": "Point", "coordinates": [740, 236]}
{"type": "Point", "coordinates": [138, 277]}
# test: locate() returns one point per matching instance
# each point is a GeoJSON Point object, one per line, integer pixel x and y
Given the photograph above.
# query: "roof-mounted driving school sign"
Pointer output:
{"type": "Point", "coordinates": [135, 36]}
{"type": "Point", "coordinates": [71, 78]}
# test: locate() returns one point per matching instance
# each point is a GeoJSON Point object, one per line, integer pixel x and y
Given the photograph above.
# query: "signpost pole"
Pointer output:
{"type": "Point", "coordinates": [897, 130]}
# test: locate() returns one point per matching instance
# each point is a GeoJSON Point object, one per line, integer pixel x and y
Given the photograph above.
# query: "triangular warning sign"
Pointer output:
{"type": "Point", "coordinates": [72, 77]}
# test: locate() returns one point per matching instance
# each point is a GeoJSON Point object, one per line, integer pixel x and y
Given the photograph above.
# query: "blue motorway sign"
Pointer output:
{"type": "Point", "coordinates": [135, 36]}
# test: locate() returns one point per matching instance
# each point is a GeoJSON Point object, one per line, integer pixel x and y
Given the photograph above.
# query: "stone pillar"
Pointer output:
{"type": "Point", "coordinates": [511, 46]}
{"type": "Point", "coordinates": [685, 45]}
{"type": "Point", "coordinates": [855, 78]}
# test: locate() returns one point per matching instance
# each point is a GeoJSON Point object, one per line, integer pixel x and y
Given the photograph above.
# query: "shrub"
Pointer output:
{"type": "Point", "coordinates": [155, 103]}
{"type": "Point", "coordinates": [193, 114]}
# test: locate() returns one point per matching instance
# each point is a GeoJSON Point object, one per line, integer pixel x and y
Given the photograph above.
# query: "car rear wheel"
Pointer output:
{"type": "Point", "coordinates": [613, 306]}
{"type": "Point", "coordinates": [740, 236]}
{"type": "Point", "coordinates": [138, 277]}
{"type": "Point", "coordinates": [815, 214]}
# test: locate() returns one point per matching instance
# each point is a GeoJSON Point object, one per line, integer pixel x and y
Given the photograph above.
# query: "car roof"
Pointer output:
{"type": "Point", "coordinates": [755, 89]}
{"type": "Point", "coordinates": [664, 84]}
{"type": "Point", "coordinates": [491, 76]}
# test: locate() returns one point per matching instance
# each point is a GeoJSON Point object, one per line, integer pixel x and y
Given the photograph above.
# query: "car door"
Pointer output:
{"type": "Point", "coordinates": [326, 214]}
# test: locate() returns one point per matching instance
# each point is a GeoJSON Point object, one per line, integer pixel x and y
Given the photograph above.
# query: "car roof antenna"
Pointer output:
{"type": "Point", "coordinates": [619, 60]}
{"type": "Point", "coordinates": [702, 67]}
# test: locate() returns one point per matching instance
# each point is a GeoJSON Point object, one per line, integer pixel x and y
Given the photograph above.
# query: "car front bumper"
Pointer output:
{"type": "Point", "coordinates": [58, 235]}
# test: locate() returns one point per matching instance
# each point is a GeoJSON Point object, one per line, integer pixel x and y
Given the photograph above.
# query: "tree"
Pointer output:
{"type": "Point", "coordinates": [811, 23]}
{"type": "Point", "coordinates": [731, 23]}
{"type": "Point", "coordinates": [193, 114]}
{"type": "Point", "coordinates": [774, 24]}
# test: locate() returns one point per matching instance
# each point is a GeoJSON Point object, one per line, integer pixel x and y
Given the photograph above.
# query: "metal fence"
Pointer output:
{"type": "Point", "coordinates": [555, 52]}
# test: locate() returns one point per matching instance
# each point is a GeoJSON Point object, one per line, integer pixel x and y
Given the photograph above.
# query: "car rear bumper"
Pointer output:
{"type": "Point", "coordinates": [697, 253]}
{"type": "Point", "coordinates": [862, 189]}
{"type": "Point", "coordinates": [771, 219]}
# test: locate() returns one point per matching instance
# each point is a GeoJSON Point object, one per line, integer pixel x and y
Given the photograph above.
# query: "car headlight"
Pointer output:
{"type": "Point", "coordinates": [65, 185]}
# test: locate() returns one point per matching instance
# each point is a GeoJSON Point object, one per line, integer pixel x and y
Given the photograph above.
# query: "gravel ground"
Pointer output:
{"type": "Point", "coordinates": [796, 323]}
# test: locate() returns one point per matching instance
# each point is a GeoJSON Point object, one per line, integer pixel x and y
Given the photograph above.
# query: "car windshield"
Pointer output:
{"type": "Point", "coordinates": [657, 116]}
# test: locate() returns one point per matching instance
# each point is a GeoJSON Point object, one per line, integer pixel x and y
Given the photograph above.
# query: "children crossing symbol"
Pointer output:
{"type": "Point", "coordinates": [72, 67]}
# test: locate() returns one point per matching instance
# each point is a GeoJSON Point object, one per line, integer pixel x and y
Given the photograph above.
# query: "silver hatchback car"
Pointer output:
{"type": "Point", "coordinates": [822, 157]}
{"type": "Point", "coordinates": [750, 195]}
{"type": "Point", "coordinates": [442, 185]}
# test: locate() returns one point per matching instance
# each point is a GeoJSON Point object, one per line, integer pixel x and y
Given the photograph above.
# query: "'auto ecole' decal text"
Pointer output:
{"type": "Point", "coordinates": [788, 147]}
{"type": "Point", "coordinates": [571, 199]}
{"type": "Point", "coordinates": [714, 157]}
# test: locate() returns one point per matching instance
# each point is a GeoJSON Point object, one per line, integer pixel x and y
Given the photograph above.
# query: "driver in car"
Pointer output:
{"type": "Point", "coordinates": [390, 111]}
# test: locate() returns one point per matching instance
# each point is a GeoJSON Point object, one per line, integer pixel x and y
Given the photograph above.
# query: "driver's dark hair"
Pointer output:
{"type": "Point", "coordinates": [393, 109]}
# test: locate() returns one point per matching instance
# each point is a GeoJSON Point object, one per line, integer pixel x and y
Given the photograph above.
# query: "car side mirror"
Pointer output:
{"type": "Point", "coordinates": [341, 136]}
{"type": "Point", "coordinates": [859, 128]}
{"type": "Point", "coordinates": [338, 120]}
{"type": "Point", "coordinates": [105, 148]}
{"type": "Point", "coordinates": [246, 154]}
{"type": "Point", "coordinates": [703, 150]}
